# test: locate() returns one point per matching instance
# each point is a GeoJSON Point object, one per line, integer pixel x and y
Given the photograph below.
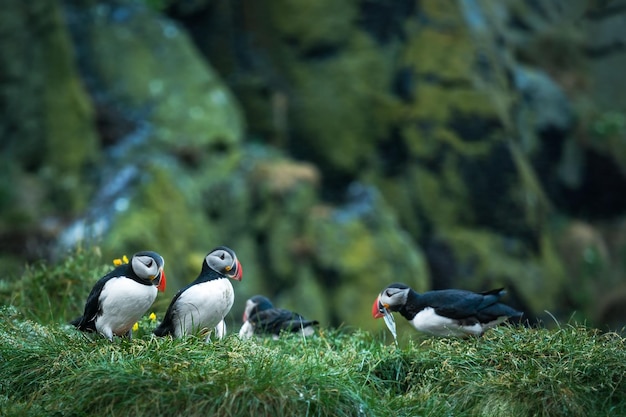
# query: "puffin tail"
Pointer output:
{"type": "Point", "coordinates": [516, 315]}
{"type": "Point", "coordinates": [77, 321]}
{"type": "Point", "coordinates": [498, 292]}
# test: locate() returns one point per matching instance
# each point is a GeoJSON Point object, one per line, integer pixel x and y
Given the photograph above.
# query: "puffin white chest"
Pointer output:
{"type": "Point", "coordinates": [428, 321]}
{"type": "Point", "coordinates": [203, 305]}
{"type": "Point", "coordinates": [123, 301]}
{"type": "Point", "coordinates": [247, 330]}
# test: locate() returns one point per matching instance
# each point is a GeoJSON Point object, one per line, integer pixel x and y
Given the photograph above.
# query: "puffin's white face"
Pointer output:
{"type": "Point", "coordinates": [225, 262]}
{"type": "Point", "coordinates": [255, 304]}
{"type": "Point", "coordinates": [393, 297]}
{"type": "Point", "coordinates": [250, 305]}
{"type": "Point", "coordinates": [147, 265]}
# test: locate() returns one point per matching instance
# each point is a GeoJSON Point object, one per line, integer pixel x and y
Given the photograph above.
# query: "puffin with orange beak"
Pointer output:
{"type": "Point", "coordinates": [444, 313]}
{"type": "Point", "coordinates": [121, 297]}
{"type": "Point", "coordinates": [203, 304]}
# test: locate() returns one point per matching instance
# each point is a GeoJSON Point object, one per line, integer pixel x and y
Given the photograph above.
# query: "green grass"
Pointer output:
{"type": "Point", "coordinates": [53, 370]}
{"type": "Point", "coordinates": [48, 368]}
{"type": "Point", "coordinates": [55, 292]}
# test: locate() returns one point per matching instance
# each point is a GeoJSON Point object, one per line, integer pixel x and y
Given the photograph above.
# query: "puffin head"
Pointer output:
{"type": "Point", "coordinates": [224, 261]}
{"type": "Point", "coordinates": [255, 304]}
{"type": "Point", "coordinates": [148, 265]}
{"type": "Point", "coordinates": [391, 298]}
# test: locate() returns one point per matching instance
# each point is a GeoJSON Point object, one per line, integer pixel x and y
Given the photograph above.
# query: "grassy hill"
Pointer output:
{"type": "Point", "coordinates": [49, 369]}
{"type": "Point", "coordinates": [53, 370]}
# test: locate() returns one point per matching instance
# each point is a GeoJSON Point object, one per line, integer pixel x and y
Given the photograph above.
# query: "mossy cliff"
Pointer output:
{"type": "Point", "coordinates": [336, 146]}
{"type": "Point", "coordinates": [47, 139]}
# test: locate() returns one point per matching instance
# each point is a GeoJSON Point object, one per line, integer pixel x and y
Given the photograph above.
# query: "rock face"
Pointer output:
{"type": "Point", "coordinates": [336, 146]}
{"type": "Point", "coordinates": [170, 130]}
{"type": "Point", "coordinates": [47, 139]}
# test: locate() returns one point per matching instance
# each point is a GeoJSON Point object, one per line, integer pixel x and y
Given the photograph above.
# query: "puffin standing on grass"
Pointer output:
{"type": "Point", "coordinates": [260, 317]}
{"type": "Point", "coordinates": [204, 303]}
{"type": "Point", "coordinates": [121, 297]}
{"type": "Point", "coordinates": [444, 313]}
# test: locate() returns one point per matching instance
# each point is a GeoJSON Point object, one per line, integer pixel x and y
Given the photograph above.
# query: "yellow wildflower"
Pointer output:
{"type": "Point", "coordinates": [135, 327]}
{"type": "Point", "coordinates": [118, 261]}
{"type": "Point", "coordinates": [152, 317]}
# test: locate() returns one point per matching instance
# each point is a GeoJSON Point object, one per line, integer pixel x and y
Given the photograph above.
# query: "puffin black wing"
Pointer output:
{"type": "Point", "coordinates": [275, 320]}
{"type": "Point", "coordinates": [87, 322]}
{"type": "Point", "coordinates": [460, 304]}
{"type": "Point", "coordinates": [167, 324]}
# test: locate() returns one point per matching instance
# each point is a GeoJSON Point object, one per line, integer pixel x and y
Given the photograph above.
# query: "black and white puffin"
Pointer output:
{"type": "Point", "coordinates": [445, 313]}
{"type": "Point", "coordinates": [260, 317]}
{"type": "Point", "coordinates": [121, 297]}
{"type": "Point", "coordinates": [204, 303]}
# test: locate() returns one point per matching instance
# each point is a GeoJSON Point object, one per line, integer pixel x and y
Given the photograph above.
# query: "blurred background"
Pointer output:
{"type": "Point", "coordinates": [336, 146]}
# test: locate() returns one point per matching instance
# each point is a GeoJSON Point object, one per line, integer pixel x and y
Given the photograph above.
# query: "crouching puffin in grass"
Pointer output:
{"type": "Point", "coordinates": [260, 318]}
{"type": "Point", "coordinates": [203, 304]}
{"type": "Point", "coordinates": [445, 313]}
{"type": "Point", "coordinates": [121, 297]}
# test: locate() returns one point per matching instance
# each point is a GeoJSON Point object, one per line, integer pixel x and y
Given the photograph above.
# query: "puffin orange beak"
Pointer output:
{"type": "Point", "coordinates": [238, 273]}
{"type": "Point", "coordinates": [377, 309]}
{"type": "Point", "coordinates": [162, 282]}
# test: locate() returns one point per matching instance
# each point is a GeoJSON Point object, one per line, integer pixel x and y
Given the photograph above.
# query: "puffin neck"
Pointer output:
{"type": "Point", "coordinates": [126, 270]}
{"type": "Point", "coordinates": [209, 274]}
{"type": "Point", "coordinates": [412, 305]}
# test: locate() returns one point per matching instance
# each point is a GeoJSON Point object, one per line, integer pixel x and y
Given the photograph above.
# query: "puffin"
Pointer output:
{"type": "Point", "coordinates": [445, 313]}
{"type": "Point", "coordinates": [119, 299]}
{"type": "Point", "coordinates": [204, 303]}
{"type": "Point", "coordinates": [260, 317]}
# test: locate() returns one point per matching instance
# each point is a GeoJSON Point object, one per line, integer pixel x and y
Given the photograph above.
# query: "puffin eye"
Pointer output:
{"type": "Point", "coordinates": [150, 262]}
{"type": "Point", "coordinates": [222, 256]}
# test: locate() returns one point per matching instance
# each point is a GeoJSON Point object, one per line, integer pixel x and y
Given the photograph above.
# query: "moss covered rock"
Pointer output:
{"type": "Point", "coordinates": [146, 66]}
{"type": "Point", "coordinates": [171, 135]}
{"type": "Point", "coordinates": [360, 249]}
{"type": "Point", "coordinates": [48, 125]}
